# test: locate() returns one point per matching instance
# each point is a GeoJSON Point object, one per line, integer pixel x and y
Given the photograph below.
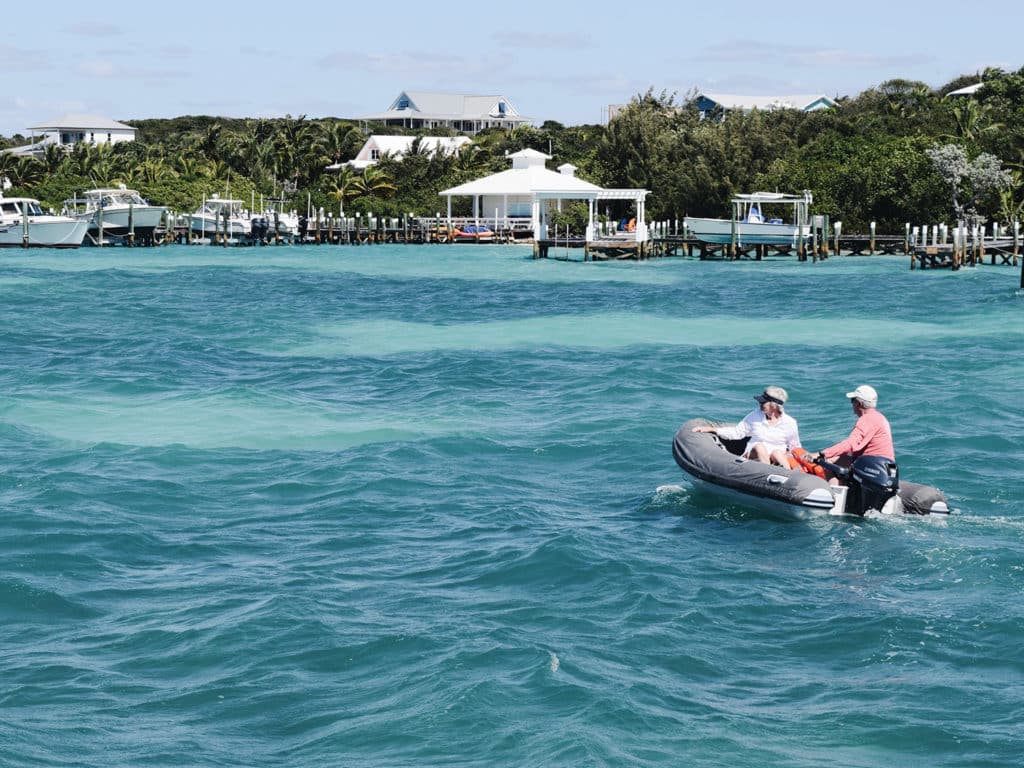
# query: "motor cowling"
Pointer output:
{"type": "Point", "coordinates": [258, 228]}
{"type": "Point", "coordinates": [872, 481]}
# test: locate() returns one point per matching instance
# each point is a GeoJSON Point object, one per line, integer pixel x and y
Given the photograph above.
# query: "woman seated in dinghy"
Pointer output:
{"type": "Point", "coordinates": [773, 433]}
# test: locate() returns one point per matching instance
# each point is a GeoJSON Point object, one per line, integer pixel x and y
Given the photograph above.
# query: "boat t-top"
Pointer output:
{"type": "Point", "coordinates": [221, 216]}
{"type": "Point", "coordinates": [752, 224]}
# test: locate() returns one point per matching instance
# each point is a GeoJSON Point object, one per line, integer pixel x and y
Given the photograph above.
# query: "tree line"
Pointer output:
{"type": "Point", "coordinates": [899, 152]}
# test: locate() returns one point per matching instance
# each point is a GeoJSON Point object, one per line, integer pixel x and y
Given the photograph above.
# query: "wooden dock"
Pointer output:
{"type": "Point", "coordinates": [1004, 252]}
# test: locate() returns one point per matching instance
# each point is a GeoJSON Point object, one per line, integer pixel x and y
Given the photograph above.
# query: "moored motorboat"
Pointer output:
{"type": "Point", "coordinates": [873, 487]}
{"type": "Point", "coordinates": [24, 224]}
{"type": "Point", "coordinates": [220, 217]}
{"type": "Point", "coordinates": [750, 225]}
{"type": "Point", "coordinates": [117, 213]}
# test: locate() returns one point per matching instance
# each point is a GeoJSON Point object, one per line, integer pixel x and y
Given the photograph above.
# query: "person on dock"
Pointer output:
{"type": "Point", "coordinates": [870, 436]}
{"type": "Point", "coordinates": [772, 431]}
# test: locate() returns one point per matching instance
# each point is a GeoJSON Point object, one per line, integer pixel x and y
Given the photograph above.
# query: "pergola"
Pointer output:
{"type": "Point", "coordinates": [638, 196]}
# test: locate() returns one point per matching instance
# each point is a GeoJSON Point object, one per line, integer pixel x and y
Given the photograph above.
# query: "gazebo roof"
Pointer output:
{"type": "Point", "coordinates": [527, 176]}
{"type": "Point", "coordinates": [524, 181]}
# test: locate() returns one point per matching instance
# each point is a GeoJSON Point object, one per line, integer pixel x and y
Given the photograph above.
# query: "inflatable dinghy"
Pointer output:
{"type": "Point", "coordinates": [872, 487]}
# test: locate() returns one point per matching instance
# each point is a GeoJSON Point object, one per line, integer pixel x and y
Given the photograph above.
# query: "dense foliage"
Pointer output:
{"type": "Point", "coordinates": [901, 152]}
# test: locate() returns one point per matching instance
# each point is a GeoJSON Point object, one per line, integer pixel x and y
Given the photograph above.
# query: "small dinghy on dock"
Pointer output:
{"type": "Point", "coordinates": [873, 485]}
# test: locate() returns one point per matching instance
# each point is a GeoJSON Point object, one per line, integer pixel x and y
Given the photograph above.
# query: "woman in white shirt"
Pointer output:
{"type": "Point", "coordinates": [772, 431]}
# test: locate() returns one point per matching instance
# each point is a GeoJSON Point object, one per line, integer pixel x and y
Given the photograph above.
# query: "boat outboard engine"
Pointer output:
{"type": "Point", "coordinates": [258, 227]}
{"type": "Point", "coordinates": [873, 482]}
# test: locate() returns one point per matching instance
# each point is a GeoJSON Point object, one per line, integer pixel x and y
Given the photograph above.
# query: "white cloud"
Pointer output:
{"type": "Point", "coordinates": [14, 59]}
{"type": "Point", "coordinates": [97, 68]}
{"type": "Point", "coordinates": [94, 29]}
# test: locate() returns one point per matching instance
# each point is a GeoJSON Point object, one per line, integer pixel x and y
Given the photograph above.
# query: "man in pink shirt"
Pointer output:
{"type": "Point", "coordinates": [871, 435]}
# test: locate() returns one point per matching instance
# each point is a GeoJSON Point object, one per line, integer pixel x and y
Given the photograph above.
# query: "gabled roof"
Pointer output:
{"type": "Point", "coordinates": [967, 90]}
{"type": "Point", "coordinates": [804, 102]}
{"type": "Point", "coordinates": [425, 105]}
{"type": "Point", "coordinates": [400, 145]}
{"type": "Point", "coordinates": [83, 122]}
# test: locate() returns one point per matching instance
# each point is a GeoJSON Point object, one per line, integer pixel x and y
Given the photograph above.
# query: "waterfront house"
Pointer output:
{"type": "Point", "coordinates": [459, 112]}
{"type": "Point", "coordinates": [377, 147]}
{"type": "Point", "coordinates": [69, 130]}
{"type": "Point", "coordinates": [708, 102]}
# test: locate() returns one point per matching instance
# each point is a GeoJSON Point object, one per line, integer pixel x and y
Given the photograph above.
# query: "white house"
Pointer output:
{"type": "Point", "coordinates": [398, 146]}
{"type": "Point", "coordinates": [460, 112]}
{"type": "Point", "coordinates": [74, 129]}
{"type": "Point", "coordinates": [706, 102]}
{"type": "Point", "coordinates": [528, 188]}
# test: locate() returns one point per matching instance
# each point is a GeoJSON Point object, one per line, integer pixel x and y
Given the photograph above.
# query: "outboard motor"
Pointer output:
{"type": "Point", "coordinates": [258, 229]}
{"type": "Point", "coordinates": [872, 482]}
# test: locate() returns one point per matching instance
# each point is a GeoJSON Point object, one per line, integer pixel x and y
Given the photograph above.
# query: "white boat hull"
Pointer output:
{"type": "Point", "coordinates": [208, 226]}
{"type": "Point", "coordinates": [47, 232]}
{"type": "Point", "coordinates": [119, 222]}
{"type": "Point", "coordinates": [720, 231]}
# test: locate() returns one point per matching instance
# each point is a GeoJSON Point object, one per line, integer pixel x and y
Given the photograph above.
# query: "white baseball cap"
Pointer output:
{"type": "Point", "coordinates": [865, 394]}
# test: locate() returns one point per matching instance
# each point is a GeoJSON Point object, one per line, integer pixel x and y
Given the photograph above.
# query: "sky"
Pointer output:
{"type": "Point", "coordinates": [555, 60]}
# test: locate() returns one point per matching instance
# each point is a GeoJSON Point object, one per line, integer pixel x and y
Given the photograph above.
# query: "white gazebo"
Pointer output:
{"type": "Point", "coordinates": [524, 190]}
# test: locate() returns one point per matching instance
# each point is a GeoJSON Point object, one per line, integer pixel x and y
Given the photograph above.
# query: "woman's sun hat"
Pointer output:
{"type": "Point", "coordinates": [776, 395]}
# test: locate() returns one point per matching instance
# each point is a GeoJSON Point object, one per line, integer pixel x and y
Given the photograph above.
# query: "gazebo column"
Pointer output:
{"type": "Point", "coordinates": [591, 204]}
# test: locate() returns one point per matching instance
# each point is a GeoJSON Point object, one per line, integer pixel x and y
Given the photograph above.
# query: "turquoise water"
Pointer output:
{"type": "Point", "coordinates": [399, 506]}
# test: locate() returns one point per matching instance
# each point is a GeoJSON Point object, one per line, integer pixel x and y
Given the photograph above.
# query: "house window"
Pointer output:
{"type": "Point", "coordinates": [109, 141]}
{"type": "Point", "coordinates": [92, 137]}
{"type": "Point", "coordinates": [403, 103]}
{"type": "Point", "coordinates": [501, 108]}
{"type": "Point", "coordinates": [375, 154]}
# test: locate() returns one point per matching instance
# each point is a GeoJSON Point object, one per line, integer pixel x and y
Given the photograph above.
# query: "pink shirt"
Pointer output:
{"type": "Point", "coordinates": [871, 436]}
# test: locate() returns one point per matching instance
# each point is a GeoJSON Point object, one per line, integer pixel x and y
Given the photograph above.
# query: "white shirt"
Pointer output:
{"type": "Point", "coordinates": [783, 435]}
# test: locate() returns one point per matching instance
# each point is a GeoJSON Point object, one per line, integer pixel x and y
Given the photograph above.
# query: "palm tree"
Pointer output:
{"type": "Point", "coordinates": [187, 166]}
{"type": "Point", "coordinates": [153, 170]}
{"type": "Point", "coordinates": [344, 187]}
{"type": "Point", "coordinates": [7, 164]}
{"type": "Point", "coordinates": [297, 150]}
{"type": "Point", "coordinates": [375, 183]}
{"type": "Point", "coordinates": [971, 119]}
{"type": "Point", "coordinates": [53, 158]}
{"type": "Point", "coordinates": [340, 140]}
{"type": "Point", "coordinates": [26, 171]}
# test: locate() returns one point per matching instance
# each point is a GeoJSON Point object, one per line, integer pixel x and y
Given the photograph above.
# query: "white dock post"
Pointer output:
{"type": "Point", "coordinates": [1016, 242]}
